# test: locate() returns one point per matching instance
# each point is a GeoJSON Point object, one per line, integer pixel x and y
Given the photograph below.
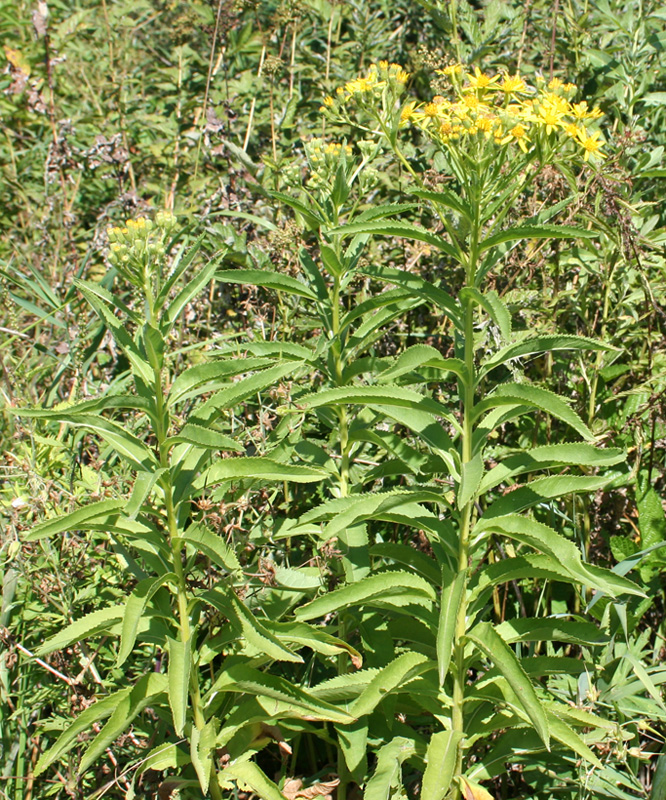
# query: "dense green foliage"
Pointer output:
{"type": "Point", "coordinates": [333, 420]}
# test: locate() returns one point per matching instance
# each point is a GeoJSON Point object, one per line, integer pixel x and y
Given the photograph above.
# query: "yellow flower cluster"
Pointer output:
{"type": "Point", "coordinates": [324, 158]}
{"type": "Point", "coordinates": [133, 245]}
{"type": "Point", "coordinates": [502, 108]}
{"type": "Point", "coordinates": [371, 85]}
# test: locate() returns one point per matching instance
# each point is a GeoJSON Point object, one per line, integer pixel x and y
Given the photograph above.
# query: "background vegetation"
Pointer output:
{"type": "Point", "coordinates": [114, 110]}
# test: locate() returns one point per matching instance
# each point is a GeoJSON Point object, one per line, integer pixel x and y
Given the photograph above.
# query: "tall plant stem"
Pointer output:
{"type": "Point", "coordinates": [182, 596]}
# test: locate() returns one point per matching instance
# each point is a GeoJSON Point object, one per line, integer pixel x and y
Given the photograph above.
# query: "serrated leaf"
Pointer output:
{"type": "Point", "coordinates": [314, 637]}
{"type": "Point", "coordinates": [494, 307]}
{"type": "Point", "coordinates": [543, 490]}
{"type": "Point", "coordinates": [536, 232]}
{"type": "Point", "coordinates": [422, 355]}
{"type": "Point", "coordinates": [453, 591]}
{"type": "Point", "coordinates": [400, 671]}
{"type": "Point", "coordinates": [395, 588]}
{"type": "Point", "coordinates": [486, 638]}
{"type": "Point", "coordinates": [440, 759]}
{"type": "Point", "coordinates": [134, 609]}
{"type": "Point", "coordinates": [100, 709]}
{"type": "Point", "coordinates": [143, 485]}
{"type": "Point", "coordinates": [202, 749]}
{"type": "Point", "coordinates": [209, 377]}
{"type": "Point", "coordinates": [419, 287]}
{"type": "Point", "coordinates": [76, 520]}
{"type": "Point", "coordinates": [538, 629]}
{"type": "Point", "coordinates": [449, 199]}
{"type": "Point", "coordinates": [245, 679]}
{"type": "Point", "coordinates": [535, 397]}
{"type": "Point", "coordinates": [200, 436]}
{"type": "Point", "coordinates": [269, 280]}
{"type": "Point", "coordinates": [145, 691]}
{"type": "Point", "coordinates": [178, 673]}
{"type": "Point", "coordinates": [249, 774]}
{"type": "Point", "coordinates": [472, 472]}
{"type": "Point", "coordinates": [248, 625]}
{"type": "Point", "coordinates": [537, 345]}
{"type": "Point", "coordinates": [567, 736]}
{"type": "Point", "coordinates": [405, 230]}
{"type": "Point", "coordinates": [81, 628]}
{"type": "Point", "coordinates": [212, 546]}
{"type": "Point", "coordinates": [387, 776]}
{"type": "Point", "coordinates": [548, 456]}
{"type": "Point", "coordinates": [545, 540]}
{"type": "Point", "coordinates": [254, 467]}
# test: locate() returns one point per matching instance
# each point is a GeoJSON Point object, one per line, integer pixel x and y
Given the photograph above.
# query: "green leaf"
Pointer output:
{"type": "Point", "coordinates": [249, 627]}
{"type": "Point", "coordinates": [543, 490]}
{"type": "Point", "coordinates": [100, 709]}
{"type": "Point", "coordinates": [548, 456]}
{"type": "Point", "coordinates": [399, 228]}
{"type": "Point", "coordinates": [528, 395]}
{"type": "Point", "coordinates": [387, 777]}
{"type": "Point", "coordinates": [310, 217]}
{"type": "Point", "coordinates": [353, 742]}
{"type": "Point", "coordinates": [409, 557]}
{"type": "Point", "coordinates": [567, 736]}
{"type": "Point", "coordinates": [180, 663]}
{"type": "Point", "coordinates": [93, 513]}
{"type": "Point", "coordinates": [134, 608]}
{"type": "Point", "coordinates": [536, 232]}
{"type": "Point", "coordinates": [252, 467]}
{"type": "Point", "coordinates": [269, 280]}
{"type": "Point", "coordinates": [472, 472]}
{"type": "Point", "coordinates": [536, 345]}
{"type": "Point", "coordinates": [419, 356]}
{"type": "Point", "coordinates": [200, 436]}
{"type": "Point", "coordinates": [245, 679]}
{"type": "Point", "coordinates": [444, 197]}
{"type": "Point", "coordinates": [212, 546]}
{"type": "Point", "coordinates": [396, 588]}
{"type": "Point", "coordinates": [196, 284]}
{"type": "Point", "coordinates": [139, 365]}
{"type": "Point", "coordinates": [202, 750]}
{"type": "Point", "coordinates": [538, 629]}
{"type": "Point", "coordinates": [143, 485]}
{"type": "Point", "coordinates": [440, 764]}
{"type": "Point", "coordinates": [249, 774]}
{"type": "Point", "coordinates": [184, 257]}
{"type": "Point", "coordinates": [419, 287]}
{"type": "Point", "coordinates": [80, 629]}
{"type": "Point", "coordinates": [211, 376]}
{"type": "Point", "coordinates": [491, 303]}
{"type": "Point", "coordinates": [545, 540]}
{"type": "Point", "coordinates": [395, 675]}
{"type": "Point", "coordinates": [453, 591]}
{"type": "Point", "coordinates": [314, 637]}
{"type": "Point", "coordinates": [124, 443]}
{"type": "Point", "coordinates": [375, 395]}
{"type": "Point", "coordinates": [488, 640]}
{"type": "Point", "coordinates": [143, 693]}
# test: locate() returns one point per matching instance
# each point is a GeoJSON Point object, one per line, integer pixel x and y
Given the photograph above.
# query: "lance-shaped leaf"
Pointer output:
{"type": "Point", "coordinates": [248, 626]}
{"type": "Point", "coordinates": [376, 395]}
{"type": "Point", "coordinates": [250, 775]}
{"type": "Point", "coordinates": [211, 376]}
{"type": "Point", "coordinates": [253, 467]}
{"type": "Point", "coordinates": [486, 638]}
{"type": "Point", "coordinates": [491, 303]}
{"type": "Point", "coordinates": [211, 545]}
{"type": "Point", "coordinates": [93, 295]}
{"type": "Point", "coordinates": [471, 474]}
{"type": "Point", "coordinates": [80, 629]}
{"type": "Point", "coordinates": [567, 736]}
{"type": "Point", "coordinates": [196, 284]}
{"type": "Point", "coordinates": [417, 286]}
{"type": "Point", "coordinates": [314, 637]}
{"type": "Point", "coordinates": [104, 403]}
{"type": "Point", "coordinates": [453, 591]}
{"type": "Point", "coordinates": [143, 693]}
{"type": "Point", "coordinates": [202, 749]}
{"type": "Point", "coordinates": [536, 232]}
{"type": "Point", "coordinates": [99, 710]}
{"type": "Point", "coordinates": [538, 629]}
{"type": "Point", "coordinates": [269, 280]}
{"type": "Point", "coordinates": [543, 490]}
{"type": "Point", "coordinates": [548, 456]}
{"type": "Point", "coordinates": [134, 608]}
{"type": "Point", "coordinates": [440, 764]}
{"type": "Point", "coordinates": [395, 588]}
{"type": "Point", "coordinates": [546, 540]}
{"type": "Point", "coordinates": [535, 345]}
{"type": "Point", "coordinates": [178, 673]}
{"type": "Point", "coordinates": [247, 680]}
{"type": "Point", "coordinates": [310, 217]}
{"type": "Point", "coordinates": [408, 557]}
{"type": "Point", "coordinates": [399, 672]}
{"type": "Point", "coordinates": [525, 394]}
{"type": "Point", "coordinates": [182, 260]}
{"type": "Point", "coordinates": [240, 391]}
{"type": "Point", "coordinates": [419, 356]}
{"type": "Point", "coordinates": [444, 197]}
{"type": "Point", "coordinates": [395, 227]}
{"type": "Point", "coordinates": [387, 777]}
{"type": "Point", "coordinates": [92, 514]}
{"type": "Point", "coordinates": [206, 437]}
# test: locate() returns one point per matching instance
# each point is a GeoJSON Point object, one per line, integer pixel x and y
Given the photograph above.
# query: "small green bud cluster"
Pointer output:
{"type": "Point", "coordinates": [138, 246]}
{"type": "Point", "coordinates": [324, 158]}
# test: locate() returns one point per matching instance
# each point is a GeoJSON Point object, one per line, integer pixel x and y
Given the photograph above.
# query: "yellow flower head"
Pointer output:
{"type": "Point", "coordinates": [591, 144]}
{"type": "Point", "coordinates": [512, 84]}
{"type": "Point", "coordinates": [480, 80]}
